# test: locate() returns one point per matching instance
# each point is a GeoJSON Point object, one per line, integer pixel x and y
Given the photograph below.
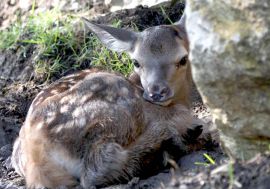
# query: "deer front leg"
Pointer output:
{"type": "Point", "coordinates": [201, 136]}
{"type": "Point", "coordinates": [146, 155]}
{"type": "Point", "coordinates": [108, 163]}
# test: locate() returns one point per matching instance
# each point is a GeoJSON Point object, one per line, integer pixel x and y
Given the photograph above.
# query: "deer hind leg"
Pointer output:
{"type": "Point", "coordinates": [103, 164]}
{"type": "Point", "coordinates": [110, 163]}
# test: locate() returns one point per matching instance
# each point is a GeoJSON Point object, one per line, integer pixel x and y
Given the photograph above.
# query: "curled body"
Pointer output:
{"type": "Point", "coordinates": [95, 127]}
{"type": "Point", "coordinates": [99, 128]}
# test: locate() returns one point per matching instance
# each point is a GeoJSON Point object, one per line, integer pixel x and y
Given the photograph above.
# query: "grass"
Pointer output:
{"type": "Point", "coordinates": [210, 160]}
{"type": "Point", "coordinates": [231, 175]}
{"type": "Point", "coordinates": [59, 47]}
{"type": "Point", "coordinates": [107, 59]}
{"type": "Point", "coordinates": [9, 36]}
{"type": "Point", "coordinates": [165, 14]}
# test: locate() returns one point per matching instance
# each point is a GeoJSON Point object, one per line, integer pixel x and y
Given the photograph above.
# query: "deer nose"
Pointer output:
{"type": "Point", "coordinates": [156, 93]}
{"type": "Point", "coordinates": [155, 97]}
{"type": "Point", "coordinates": [164, 91]}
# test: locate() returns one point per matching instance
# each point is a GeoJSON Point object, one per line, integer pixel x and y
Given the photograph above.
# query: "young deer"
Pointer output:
{"type": "Point", "coordinates": [101, 128]}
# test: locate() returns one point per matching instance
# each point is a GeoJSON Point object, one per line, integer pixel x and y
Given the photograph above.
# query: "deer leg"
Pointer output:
{"type": "Point", "coordinates": [110, 163]}
{"type": "Point", "coordinates": [103, 164]}
{"type": "Point", "coordinates": [200, 136]}
{"type": "Point", "coordinates": [148, 152]}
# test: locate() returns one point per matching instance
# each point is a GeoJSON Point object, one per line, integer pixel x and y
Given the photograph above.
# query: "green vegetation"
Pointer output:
{"type": "Point", "coordinates": [231, 174]}
{"type": "Point", "coordinates": [60, 44]}
{"type": "Point", "coordinates": [10, 36]}
{"type": "Point", "coordinates": [210, 160]}
{"type": "Point", "coordinates": [165, 14]}
{"type": "Point", "coordinates": [105, 58]}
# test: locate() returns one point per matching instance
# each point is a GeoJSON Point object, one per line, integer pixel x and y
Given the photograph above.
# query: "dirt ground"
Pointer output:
{"type": "Point", "coordinates": [18, 87]}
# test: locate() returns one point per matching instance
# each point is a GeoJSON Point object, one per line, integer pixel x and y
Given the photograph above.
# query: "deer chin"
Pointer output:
{"type": "Point", "coordinates": [164, 103]}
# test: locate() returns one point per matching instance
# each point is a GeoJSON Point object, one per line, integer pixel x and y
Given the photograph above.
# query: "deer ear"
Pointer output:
{"type": "Point", "coordinates": [181, 27]}
{"type": "Point", "coordinates": [181, 24]}
{"type": "Point", "coordinates": [114, 38]}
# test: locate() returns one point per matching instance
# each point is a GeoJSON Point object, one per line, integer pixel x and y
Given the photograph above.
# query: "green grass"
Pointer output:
{"type": "Point", "coordinates": [231, 175]}
{"type": "Point", "coordinates": [59, 47]}
{"type": "Point", "coordinates": [9, 36]}
{"type": "Point", "coordinates": [210, 160]}
{"type": "Point", "coordinates": [165, 14]}
{"type": "Point", "coordinates": [107, 59]}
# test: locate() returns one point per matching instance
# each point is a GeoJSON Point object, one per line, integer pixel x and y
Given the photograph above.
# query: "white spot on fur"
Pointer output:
{"type": "Point", "coordinates": [124, 91]}
{"type": "Point", "coordinates": [77, 112]}
{"type": "Point", "coordinates": [85, 98]}
{"type": "Point", "coordinates": [81, 121]}
{"type": "Point", "coordinates": [63, 85]}
{"type": "Point", "coordinates": [94, 86]}
{"type": "Point", "coordinates": [59, 129]}
{"type": "Point", "coordinates": [71, 81]}
{"type": "Point", "coordinates": [72, 100]}
{"type": "Point", "coordinates": [70, 76]}
{"type": "Point", "coordinates": [51, 117]}
{"type": "Point", "coordinates": [55, 92]}
{"type": "Point", "coordinates": [51, 114]}
{"type": "Point", "coordinates": [64, 109]}
{"type": "Point", "coordinates": [64, 99]}
{"type": "Point", "coordinates": [40, 125]}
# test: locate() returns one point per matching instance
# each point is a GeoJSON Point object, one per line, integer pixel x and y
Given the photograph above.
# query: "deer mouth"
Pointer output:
{"type": "Point", "coordinates": [161, 102]}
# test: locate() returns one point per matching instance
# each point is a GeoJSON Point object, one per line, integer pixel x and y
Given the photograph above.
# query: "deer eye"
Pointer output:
{"type": "Point", "coordinates": [136, 63]}
{"type": "Point", "coordinates": [182, 62]}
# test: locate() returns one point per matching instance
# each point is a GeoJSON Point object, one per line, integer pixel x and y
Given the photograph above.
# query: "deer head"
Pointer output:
{"type": "Point", "coordinates": [160, 58]}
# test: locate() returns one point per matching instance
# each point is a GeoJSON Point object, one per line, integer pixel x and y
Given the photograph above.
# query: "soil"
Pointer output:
{"type": "Point", "coordinates": [13, 10]}
{"type": "Point", "coordinates": [19, 85]}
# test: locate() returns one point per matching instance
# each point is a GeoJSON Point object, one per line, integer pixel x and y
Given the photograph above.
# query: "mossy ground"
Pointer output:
{"type": "Point", "coordinates": [61, 44]}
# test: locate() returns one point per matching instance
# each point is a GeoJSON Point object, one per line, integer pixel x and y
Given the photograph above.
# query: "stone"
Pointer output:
{"type": "Point", "coordinates": [230, 45]}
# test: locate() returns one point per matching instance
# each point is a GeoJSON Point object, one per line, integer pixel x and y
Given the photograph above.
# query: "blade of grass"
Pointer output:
{"type": "Point", "coordinates": [202, 163]}
{"type": "Point", "coordinates": [165, 15]}
{"type": "Point", "coordinates": [231, 175]}
{"type": "Point", "coordinates": [211, 160]}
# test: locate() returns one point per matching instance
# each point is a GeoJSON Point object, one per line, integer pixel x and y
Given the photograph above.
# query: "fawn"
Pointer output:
{"type": "Point", "coordinates": [99, 128]}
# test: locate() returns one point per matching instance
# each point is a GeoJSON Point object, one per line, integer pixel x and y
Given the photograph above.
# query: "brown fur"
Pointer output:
{"type": "Point", "coordinates": [96, 127]}
{"type": "Point", "coordinates": [136, 129]}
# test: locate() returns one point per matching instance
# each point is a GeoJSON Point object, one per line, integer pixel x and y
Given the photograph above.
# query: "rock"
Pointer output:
{"type": "Point", "coordinates": [230, 45]}
{"type": "Point", "coordinates": [25, 4]}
